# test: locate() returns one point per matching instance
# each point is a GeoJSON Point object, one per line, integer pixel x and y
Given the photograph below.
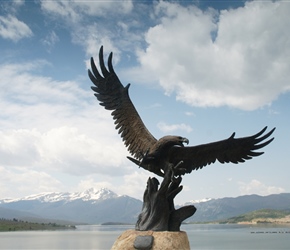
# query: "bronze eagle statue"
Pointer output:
{"type": "Point", "coordinates": [155, 155]}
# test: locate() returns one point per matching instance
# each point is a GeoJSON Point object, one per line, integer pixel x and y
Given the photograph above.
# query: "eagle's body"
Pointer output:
{"type": "Point", "coordinates": [156, 155]}
{"type": "Point", "coordinates": [157, 158]}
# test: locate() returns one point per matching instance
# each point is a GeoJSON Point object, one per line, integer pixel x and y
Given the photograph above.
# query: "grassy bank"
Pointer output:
{"type": "Point", "coordinates": [19, 225]}
{"type": "Point", "coordinates": [261, 216]}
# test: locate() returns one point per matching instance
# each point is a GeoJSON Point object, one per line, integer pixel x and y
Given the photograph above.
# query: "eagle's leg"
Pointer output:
{"type": "Point", "coordinates": [174, 169]}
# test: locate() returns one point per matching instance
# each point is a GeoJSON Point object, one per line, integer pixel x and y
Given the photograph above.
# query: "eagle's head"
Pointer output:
{"type": "Point", "coordinates": [172, 140]}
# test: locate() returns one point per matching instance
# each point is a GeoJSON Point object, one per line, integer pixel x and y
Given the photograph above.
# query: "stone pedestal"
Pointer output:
{"type": "Point", "coordinates": [165, 240]}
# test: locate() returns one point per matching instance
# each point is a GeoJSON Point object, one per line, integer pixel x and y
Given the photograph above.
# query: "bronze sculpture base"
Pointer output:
{"type": "Point", "coordinates": [161, 240]}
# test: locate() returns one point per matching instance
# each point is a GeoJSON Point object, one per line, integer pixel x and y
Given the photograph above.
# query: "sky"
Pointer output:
{"type": "Point", "coordinates": [199, 69]}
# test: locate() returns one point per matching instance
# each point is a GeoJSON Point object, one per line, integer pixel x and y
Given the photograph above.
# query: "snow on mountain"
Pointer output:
{"type": "Point", "coordinates": [93, 206]}
{"type": "Point", "coordinates": [91, 194]}
{"type": "Point", "coordinates": [192, 202]}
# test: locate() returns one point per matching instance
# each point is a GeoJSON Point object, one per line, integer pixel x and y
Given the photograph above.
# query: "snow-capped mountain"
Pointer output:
{"type": "Point", "coordinates": [91, 194]}
{"type": "Point", "coordinates": [92, 206]}
{"type": "Point", "coordinates": [192, 202]}
{"type": "Point", "coordinates": [98, 206]}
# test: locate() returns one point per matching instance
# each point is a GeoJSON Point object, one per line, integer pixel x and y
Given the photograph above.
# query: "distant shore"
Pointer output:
{"type": "Point", "coordinates": [262, 216]}
{"type": "Point", "coordinates": [19, 225]}
{"type": "Point", "coordinates": [115, 224]}
{"type": "Point", "coordinates": [284, 221]}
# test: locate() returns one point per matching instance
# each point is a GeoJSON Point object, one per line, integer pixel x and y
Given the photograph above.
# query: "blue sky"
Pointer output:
{"type": "Point", "coordinates": [200, 69]}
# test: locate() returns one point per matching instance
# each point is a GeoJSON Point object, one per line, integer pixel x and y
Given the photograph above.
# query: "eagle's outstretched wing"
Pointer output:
{"type": "Point", "coordinates": [114, 96]}
{"type": "Point", "coordinates": [233, 150]}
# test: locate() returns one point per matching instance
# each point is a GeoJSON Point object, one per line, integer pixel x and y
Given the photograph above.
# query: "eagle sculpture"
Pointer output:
{"type": "Point", "coordinates": [155, 155]}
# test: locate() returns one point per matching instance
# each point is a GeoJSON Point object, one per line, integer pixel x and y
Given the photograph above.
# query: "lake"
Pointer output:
{"type": "Point", "coordinates": [239, 237]}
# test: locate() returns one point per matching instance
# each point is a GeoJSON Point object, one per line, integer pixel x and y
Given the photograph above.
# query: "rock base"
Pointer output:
{"type": "Point", "coordinates": [165, 240]}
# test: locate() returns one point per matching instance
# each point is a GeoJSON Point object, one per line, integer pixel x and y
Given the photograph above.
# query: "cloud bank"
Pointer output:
{"type": "Point", "coordinates": [257, 187]}
{"type": "Point", "coordinates": [13, 29]}
{"type": "Point", "coordinates": [234, 58]}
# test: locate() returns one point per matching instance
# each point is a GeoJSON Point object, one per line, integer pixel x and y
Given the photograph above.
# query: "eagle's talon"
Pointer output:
{"type": "Point", "coordinates": [173, 178]}
{"type": "Point", "coordinates": [177, 165]}
{"type": "Point", "coordinates": [175, 169]}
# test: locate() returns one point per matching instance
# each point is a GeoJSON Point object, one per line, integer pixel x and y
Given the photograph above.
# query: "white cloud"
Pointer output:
{"type": "Point", "coordinates": [92, 36]}
{"type": "Point", "coordinates": [20, 84]}
{"type": "Point", "coordinates": [118, 24]}
{"type": "Point", "coordinates": [11, 6]}
{"type": "Point", "coordinates": [74, 11]}
{"type": "Point", "coordinates": [32, 101]}
{"type": "Point", "coordinates": [19, 148]}
{"type": "Point", "coordinates": [103, 8]}
{"type": "Point", "coordinates": [168, 128]}
{"type": "Point", "coordinates": [63, 149]}
{"type": "Point", "coordinates": [13, 29]}
{"type": "Point", "coordinates": [85, 31]}
{"type": "Point", "coordinates": [75, 153]}
{"type": "Point", "coordinates": [89, 182]}
{"type": "Point", "coordinates": [189, 113]}
{"type": "Point", "coordinates": [65, 129]}
{"type": "Point", "coordinates": [241, 60]}
{"type": "Point", "coordinates": [256, 187]}
{"type": "Point", "coordinates": [19, 182]}
{"type": "Point", "coordinates": [18, 2]}
{"type": "Point", "coordinates": [135, 184]}
{"type": "Point", "coordinates": [61, 8]}
{"type": "Point", "coordinates": [50, 40]}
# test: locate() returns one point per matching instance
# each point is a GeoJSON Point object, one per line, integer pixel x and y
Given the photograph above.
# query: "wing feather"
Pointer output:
{"type": "Point", "coordinates": [233, 150]}
{"type": "Point", "coordinates": [114, 96]}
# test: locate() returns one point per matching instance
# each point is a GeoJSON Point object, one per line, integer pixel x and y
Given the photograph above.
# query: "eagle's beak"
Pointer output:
{"type": "Point", "coordinates": [185, 140]}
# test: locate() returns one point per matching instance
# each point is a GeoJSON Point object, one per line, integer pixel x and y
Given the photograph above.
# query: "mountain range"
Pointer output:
{"type": "Point", "coordinates": [100, 206]}
{"type": "Point", "coordinates": [224, 208]}
{"type": "Point", "coordinates": [90, 207]}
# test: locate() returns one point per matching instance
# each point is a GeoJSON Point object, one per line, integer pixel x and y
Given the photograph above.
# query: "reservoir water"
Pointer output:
{"type": "Point", "coordinates": [238, 237]}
